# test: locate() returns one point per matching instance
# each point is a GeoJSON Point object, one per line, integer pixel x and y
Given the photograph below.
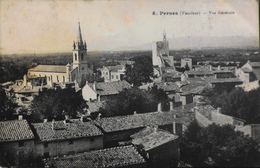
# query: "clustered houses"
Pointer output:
{"type": "Point", "coordinates": [76, 136]}
{"type": "Point", "coordinates": [16, 141]}
{"type": "Point", "coordinates": [101, 91]}
{"type": "Point", "coordinates": [138, 140]}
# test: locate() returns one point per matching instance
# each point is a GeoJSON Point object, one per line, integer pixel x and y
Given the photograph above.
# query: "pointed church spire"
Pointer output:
{"type": "Point", "coordinates": [164, 35]}
{"type": "Point", "coordinates": [79, 35]}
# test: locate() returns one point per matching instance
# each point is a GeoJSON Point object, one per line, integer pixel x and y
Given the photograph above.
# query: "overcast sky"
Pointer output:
{"type": "Point", "coordinates": [51, 26]}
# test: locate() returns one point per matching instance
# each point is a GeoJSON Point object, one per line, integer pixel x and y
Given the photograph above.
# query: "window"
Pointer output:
{"type": "Point", "coordinates": [112, 76]}
{"type": "Point", "coordinates": [70, 141]}
{"type": "Point", "coordinates": [81, 56]}
{"type": "Point", "coordinates": [63, 79]}
{"type": "Point", "coordinates": [57, 78]}
{"type": "Point", "coordinates": [45, 144]}
{"type": "Point", "coordinates": [116, 76]}
{"type": "Point", "coordinates": [46, 154]}
{"type": "Point", "coordinates": [21, 144]}
{"type": "Point", "coordinates": [106, 73]}
{"type": "Point", "coordinates": [75, 57]}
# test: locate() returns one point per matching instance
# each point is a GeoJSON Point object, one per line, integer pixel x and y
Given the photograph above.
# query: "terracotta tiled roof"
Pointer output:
{"type": "Point", "coordinates": [119, 123]}
{"type": "Point", "coordinates": [70, 130]}
{"type": "Point", "coordinates": [225, 80]}
{"type": "Point", "coordinates": [199, 72]}
{"type": "Point", "coordinates": [114, 68]}
{"type": "Point", "coordinates": [111, 157]}
{"type": "Point", "coordinates": [49, 68]}
{"type": "Point", "coordinates": [221, 71]}
{"type": "Point", "coordinates": [110, 88]}
{"type": "Point", "coordinates": [151, 138]}
{"type": "Point", "coordinates": [168, 86]}
{"type": "Point", "coordinates": [15, 131]}
{"type": "Point", "coordinates": [255, 64]}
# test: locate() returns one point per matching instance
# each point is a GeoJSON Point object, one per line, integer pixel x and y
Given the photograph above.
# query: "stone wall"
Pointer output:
{"type": "Point", "coordinates": [65, 147]}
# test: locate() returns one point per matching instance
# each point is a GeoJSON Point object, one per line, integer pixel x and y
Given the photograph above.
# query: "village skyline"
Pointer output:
{"type": "Point", "coordinates": [47, 27]}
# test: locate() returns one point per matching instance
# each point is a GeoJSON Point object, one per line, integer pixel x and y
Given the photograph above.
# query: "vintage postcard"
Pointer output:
{"type": "Point", "coordinates": [135, 83]}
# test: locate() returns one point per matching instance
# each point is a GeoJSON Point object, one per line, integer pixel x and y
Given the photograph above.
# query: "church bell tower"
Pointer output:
{"type": "Point", "coordinates": [80, 57]}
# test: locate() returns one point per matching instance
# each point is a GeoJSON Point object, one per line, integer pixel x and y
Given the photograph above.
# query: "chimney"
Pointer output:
{"type": "Point", "coordinates": [159, 107]}
{"type": "Point", "coordinates": [155, 128]}
{"type": "Point", "coordinates": [171, 106]}
{"type": "Point", "coordinates": [210, 67]}
{"type": "Point", "coordinates": [20, 117]}
{"type": "Point", "coordinates": [94, 85]}
{"type": "Point", "coordinates": [219, 67]}
{"type": "Point", "coordinates": [99, 116]}
{"type": "Point", "coordinates": [52, 124]}
{"type": "Point", "coordinates": [45, 120]}
{"type": "Point", "coordinates": [174, 127]}
{"type": "Point", "coordinates": [218, 110]}
{"type": "Point", "coordinates": [135, 112]}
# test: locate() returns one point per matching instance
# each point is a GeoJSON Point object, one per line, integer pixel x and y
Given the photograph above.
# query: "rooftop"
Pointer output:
{"type": "Point", "coordinates": [119, 123]}
{"type": "Point", "coordinates": [49, 68]}
{"type": "Point", "coordinates": [167, 86]}
{"type": "Point", "coordinates": [110, 157]}
{"type": "Point", "coordinates": [114, 68]}
{"type": "Point", "coordinates": [110, 88]}
{"type": "Point", "coordinates": [255, 64]}
{"type": "Point", "coordinates": [151, 138]}
{"type": "Point", "coordinates": [15, 130]}
{"type": "Point", "coordinates": [59, 130]}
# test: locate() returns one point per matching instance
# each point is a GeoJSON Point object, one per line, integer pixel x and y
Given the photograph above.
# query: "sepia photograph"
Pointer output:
{"type": "Point", "coordinates": [129, 84]}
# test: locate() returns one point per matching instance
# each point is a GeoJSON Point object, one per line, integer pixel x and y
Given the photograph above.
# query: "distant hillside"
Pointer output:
{"type": "Point", "coordinates": [196, 42]}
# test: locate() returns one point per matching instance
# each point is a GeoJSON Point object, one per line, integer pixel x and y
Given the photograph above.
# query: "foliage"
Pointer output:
{"type": "Point", "coordinates": [134, 99]}
{"type": "Point", "coordinates": [9, 71]}
{"type": "Point", "coordinates": [238, 103]}
{"type": "Point", "coordinates": [141, 72]}
{"type": "Point", "coordinates": [56, 103]}
{"type": "Point", "coordinates": [7, 106]}
{"type": "Point", "coordinates": [221, 143]}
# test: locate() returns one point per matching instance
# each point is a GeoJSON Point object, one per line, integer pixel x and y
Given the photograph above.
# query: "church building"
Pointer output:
{"type": "Point", "coordinates": [78, 71]}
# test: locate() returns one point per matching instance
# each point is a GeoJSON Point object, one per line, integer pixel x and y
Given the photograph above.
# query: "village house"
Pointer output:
{"type": "Point", "coordinates": [101, 91]}
{"type": "Point", "coordinates": [112, 73]}
{"type": "Point", "coordinates": [186, 62]}
{"type": "Point", "coordinates": [58, 138]}
{"type": "Point", "coordinates": [117, 157]}
{"type": "Point", "coordinates": [206, 115]}
{"type": "Point", "coordinates": [159, 147]}
{"type": "Point", "coordinates": [16, 141]}
{"type": "Point", "coordinates": [119, 129]}
{"type": "Point", "coordinates": [249, 72]}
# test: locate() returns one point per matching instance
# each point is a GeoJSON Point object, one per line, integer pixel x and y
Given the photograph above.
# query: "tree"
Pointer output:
{"type": "Point", "coordinates": [133, 99]}
{"type": "Point", "coordinates": [56, 103]}
{"type": "Point", "coordinates": [141, 72]}
{"type": "Point", "coordinates": [237, 103]}
{"type": "Point", "coordinates": [7, 106]}
{"type": "Point", "coordinates": [221, 143]}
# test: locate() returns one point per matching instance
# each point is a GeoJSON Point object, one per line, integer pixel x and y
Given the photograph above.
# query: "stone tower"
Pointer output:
{"type": "Point", "coordinates": [80, 62]}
